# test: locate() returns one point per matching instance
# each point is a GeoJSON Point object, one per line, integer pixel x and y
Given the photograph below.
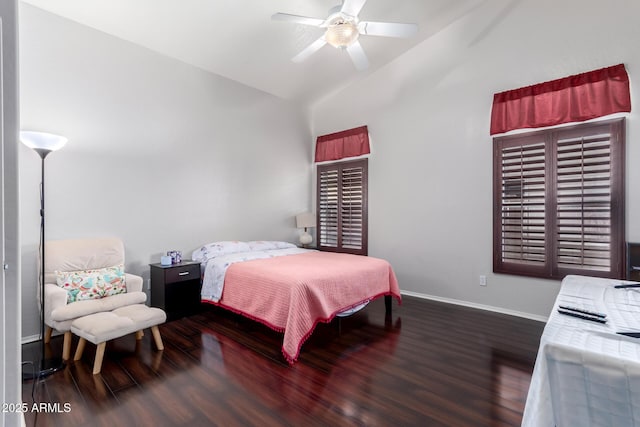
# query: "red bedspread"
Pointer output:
{"type": "Point", "coordinates": [291, 294]}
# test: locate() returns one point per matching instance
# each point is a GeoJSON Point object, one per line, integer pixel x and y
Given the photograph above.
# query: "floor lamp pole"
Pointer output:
{"type": "Point", "coordinates": [42, 251]}
{"type": "Point", "coordinates": [47, 365]}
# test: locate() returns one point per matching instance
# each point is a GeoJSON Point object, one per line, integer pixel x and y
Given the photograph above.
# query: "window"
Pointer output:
{"type": "Point", "coordinates": [559, 201]}
{"type": "Point", "coordinates": [342, 207]}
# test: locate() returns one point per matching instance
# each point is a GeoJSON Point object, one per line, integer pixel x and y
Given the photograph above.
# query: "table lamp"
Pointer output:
{"type": "Point", "coordinates": [306, 220]}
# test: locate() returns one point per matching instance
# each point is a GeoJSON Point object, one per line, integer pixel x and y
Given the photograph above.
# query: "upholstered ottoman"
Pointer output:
{"type": "Point", "coordinates": [101, 327]}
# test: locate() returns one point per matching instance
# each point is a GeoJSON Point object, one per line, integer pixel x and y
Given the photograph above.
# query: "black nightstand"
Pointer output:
{"type": "Point", "coordinates": [633, 261]}
{"type": "Point", "coordinates": [176, 288]}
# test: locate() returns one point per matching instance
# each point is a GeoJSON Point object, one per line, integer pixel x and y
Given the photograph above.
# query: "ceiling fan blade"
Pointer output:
{"type": "Point", "coordinates": [304, 20]}
{"type": "Point", "coordinates": [309, 50]}
{"type": "Point", "coordinates": [387, 29]}
{"type": "Point", "coordinates": [352, 7]}
{"type": "Point", "coordinates": [358, 56]}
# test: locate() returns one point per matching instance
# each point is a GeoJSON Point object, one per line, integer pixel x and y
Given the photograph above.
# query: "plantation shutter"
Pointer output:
{"type": "Point", "coordinates": [328, 208]}
{"type": "Point", "coordinates": [585, 200]}
{"type": "Point", "coordinates": [559, 202]}
{"type": "Point", "coordinates": [342, 207]}
{"type": "Point", "coordinates": [352, 208]}
{"type": "Point", "coordinates": [522, 208]}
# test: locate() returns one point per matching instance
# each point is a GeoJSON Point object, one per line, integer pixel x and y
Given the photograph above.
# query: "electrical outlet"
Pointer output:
{"type": "Point", "coordinates": [483, 280]}
{"type": "Point", "coordinates": [148, 284]}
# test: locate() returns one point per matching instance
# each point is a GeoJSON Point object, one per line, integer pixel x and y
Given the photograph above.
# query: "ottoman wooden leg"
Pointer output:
{"type": "Point", "coordinates": [80, 349]}
{"type": "Point", "coordinates": [139, 335]}
{"type": "Point", "coordinates": [157, 338]}
{"type": "Point", "coordinates": [47, 334]}
{"type": "Point", "coordinates": [66, 346]}
{"type": "Point", "coordinates": [97, 365]}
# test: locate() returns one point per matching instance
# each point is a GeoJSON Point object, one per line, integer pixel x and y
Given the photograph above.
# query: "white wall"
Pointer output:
{"type": "Point", "coordinates": [430, 177]}
{"type": "Point", "coordinates": [161, 154]}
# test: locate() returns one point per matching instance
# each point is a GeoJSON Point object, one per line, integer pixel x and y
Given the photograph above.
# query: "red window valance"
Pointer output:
{"type": "Point", "coordinates": [339, 145]}
{"type": "Point", "coordinates": [571, 99]}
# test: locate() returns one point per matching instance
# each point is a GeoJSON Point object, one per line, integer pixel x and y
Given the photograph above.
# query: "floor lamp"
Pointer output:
{"type": "Point", "coordinates": [43, 144]}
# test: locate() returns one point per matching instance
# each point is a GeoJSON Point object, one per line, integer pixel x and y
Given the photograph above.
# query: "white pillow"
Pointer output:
{"type": "Point", "coordinates": [212, 250]}
{"type": "Point", "coordinates": [262, 245]}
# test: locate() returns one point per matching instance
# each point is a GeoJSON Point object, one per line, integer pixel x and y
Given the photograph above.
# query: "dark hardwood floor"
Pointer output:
{"type": "Point", "coordinates": [429, 364]}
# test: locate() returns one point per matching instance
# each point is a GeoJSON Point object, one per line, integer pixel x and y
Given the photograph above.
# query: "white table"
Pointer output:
{"type": "Point", "coordinates": [622, 307]}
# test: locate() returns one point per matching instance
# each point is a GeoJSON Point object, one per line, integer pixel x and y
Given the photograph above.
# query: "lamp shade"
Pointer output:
{"type": "Point", "coordinates": [42, 140]}
{"type": "Point", "coordinates": [305, 220]}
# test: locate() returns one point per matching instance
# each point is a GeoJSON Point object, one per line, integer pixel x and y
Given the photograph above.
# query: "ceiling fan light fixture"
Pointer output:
{"type": "Point", "coordinates": [343, 29]}
{"type": "Point", "coordinates": [342, 34]}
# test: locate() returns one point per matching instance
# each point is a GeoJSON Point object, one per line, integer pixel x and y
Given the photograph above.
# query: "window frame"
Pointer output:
{"type": "Point", "coordinates": [339, 166]}
{"type": "Point", "coordinates": [551, 269]}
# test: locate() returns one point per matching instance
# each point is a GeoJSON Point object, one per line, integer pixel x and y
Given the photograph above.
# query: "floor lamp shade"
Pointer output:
{"type": "Point", "coordinates": [43, 144]}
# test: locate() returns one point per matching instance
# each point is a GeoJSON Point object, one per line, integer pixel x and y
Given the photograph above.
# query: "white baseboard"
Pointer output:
{"type": "Point", "coordinates": [30, 338]}
{"type": "Point", "coordinates": [34, 338]}
{"type": "Point", "coordinates": [478, 306]}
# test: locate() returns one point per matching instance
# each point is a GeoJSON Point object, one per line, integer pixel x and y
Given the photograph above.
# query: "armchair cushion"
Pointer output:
{"type": "Point", "coordinates": [92, 284]}
{"type": "Point", "coordinates": [84, 308]}
{"type": "Point", "coordinates": [133, 282]}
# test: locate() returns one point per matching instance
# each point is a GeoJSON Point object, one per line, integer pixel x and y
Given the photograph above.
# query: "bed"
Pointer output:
{"type": "Point", "coordinates": [290, 289]}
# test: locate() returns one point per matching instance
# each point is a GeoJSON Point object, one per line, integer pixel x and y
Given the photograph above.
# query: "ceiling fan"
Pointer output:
{"type": "Point", "coordinates": [343, 28]}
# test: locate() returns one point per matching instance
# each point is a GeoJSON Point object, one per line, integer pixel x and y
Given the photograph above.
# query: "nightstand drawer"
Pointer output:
{"type": "Point", "coordinates": [180, 274]}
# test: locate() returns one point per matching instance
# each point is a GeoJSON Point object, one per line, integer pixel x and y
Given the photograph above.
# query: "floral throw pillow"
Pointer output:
{"type": "Point", "coordinates": [92, 284]}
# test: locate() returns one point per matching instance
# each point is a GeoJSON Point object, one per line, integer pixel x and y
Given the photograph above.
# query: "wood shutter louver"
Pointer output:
{"type": "Point", "coordinates": [522, 213]}
{"type": "Point", "coordinates": [351, 210]}
{"type": "Point", "coordinates": [328, 208]}
{"type": "Point", "coordinates": [587, 204]}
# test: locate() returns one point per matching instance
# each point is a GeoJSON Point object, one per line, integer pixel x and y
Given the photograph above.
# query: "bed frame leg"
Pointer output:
{"type": "Point", "coordinates": [387, 305]}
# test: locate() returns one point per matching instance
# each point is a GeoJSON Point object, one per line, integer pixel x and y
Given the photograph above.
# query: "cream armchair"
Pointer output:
{"type": "Point", "coordinates": [82, 254]}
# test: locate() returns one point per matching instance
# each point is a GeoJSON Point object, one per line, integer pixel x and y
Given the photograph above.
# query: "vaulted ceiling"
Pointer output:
{"type": "Point", "coordinates": [238, 40]}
